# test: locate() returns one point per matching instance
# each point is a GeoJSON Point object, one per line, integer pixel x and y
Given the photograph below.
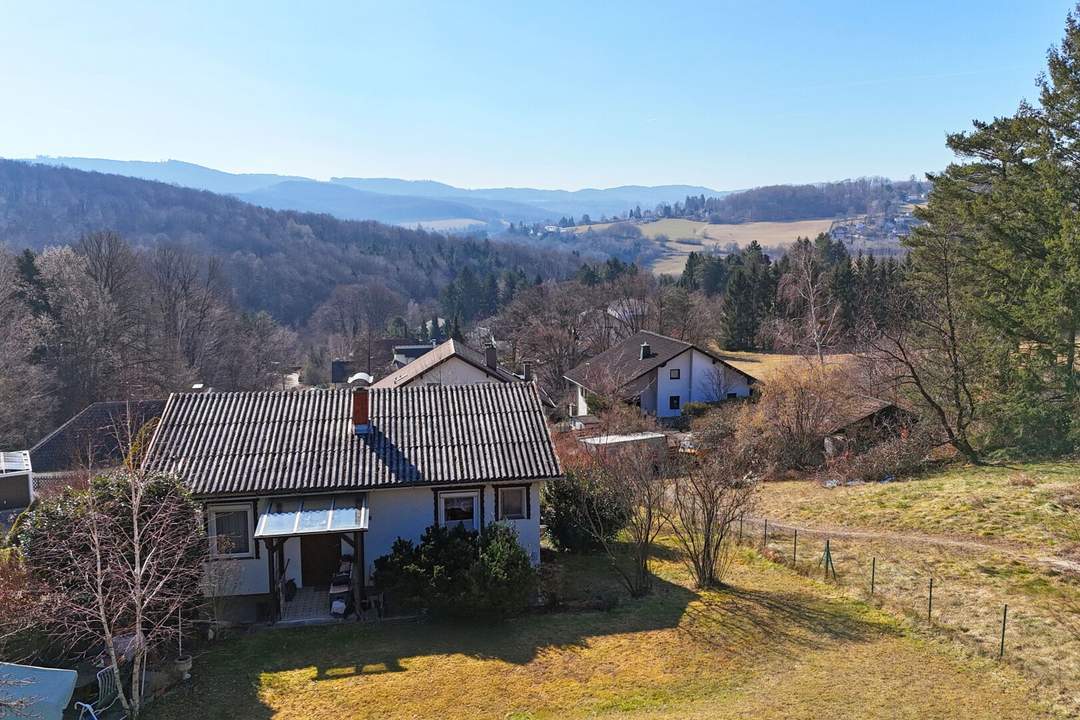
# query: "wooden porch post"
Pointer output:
{"type": "Point", "coordinates": [275, 598]}
{"type": "Point", "coordinates": [363, 563]}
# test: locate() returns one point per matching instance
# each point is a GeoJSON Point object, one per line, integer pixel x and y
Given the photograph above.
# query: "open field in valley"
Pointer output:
{"type": "Point", "coordinates": [987, 536]}
{"type": "Point", "coordinates": [773, 644]}
{"type": "Point", "coordinates": [761, 365]}
{"type": "Point", "coordinates": [687, 236]}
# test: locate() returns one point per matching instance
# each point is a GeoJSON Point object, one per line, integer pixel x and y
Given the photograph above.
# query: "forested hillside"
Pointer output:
{"type": "Point", "coordinates": [283, 262]}
{"type": "Point", "coordinates": [783, 203]}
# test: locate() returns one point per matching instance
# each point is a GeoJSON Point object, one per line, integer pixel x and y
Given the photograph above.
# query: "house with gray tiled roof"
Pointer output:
{"type": "Point", "coordinates": [305, 489]}
{"type": "Point", "coordinates": [660, 374]}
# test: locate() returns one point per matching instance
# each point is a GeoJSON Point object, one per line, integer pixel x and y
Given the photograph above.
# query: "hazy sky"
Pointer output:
{"type": "Point", "coordinates": [549, 94]}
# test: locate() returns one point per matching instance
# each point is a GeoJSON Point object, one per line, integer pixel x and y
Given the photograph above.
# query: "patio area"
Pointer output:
{"type": "Point", "coordinates": [310, 606]}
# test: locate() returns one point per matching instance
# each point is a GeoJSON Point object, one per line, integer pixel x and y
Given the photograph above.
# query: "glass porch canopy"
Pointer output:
{"type": "Point", "coordinates": [313, 515]}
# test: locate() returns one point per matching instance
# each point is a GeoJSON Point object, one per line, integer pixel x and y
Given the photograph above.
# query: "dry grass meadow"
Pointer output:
{"type": "Point", "coordinates": [987, 536]}
{"type": "Point", "coordinates": [773, 644]}
{"type": "Point", "coordinates": [687, 236]}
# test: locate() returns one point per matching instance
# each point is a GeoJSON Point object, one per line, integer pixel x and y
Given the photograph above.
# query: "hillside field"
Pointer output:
{"type": "Point", "coordinates": [988, 536]}
{"type": "Point", "coordinates": [687, 236]}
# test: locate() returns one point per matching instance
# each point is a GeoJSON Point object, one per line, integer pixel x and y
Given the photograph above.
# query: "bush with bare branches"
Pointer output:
{"type": "Point", "coordinates": [707, 497]}
{"type": "Point", "coordinates": [787, 426]}
{"type": "Point", "coordinates": [114, 566]}
{"type": "Point", "coordinates": [621, 490]}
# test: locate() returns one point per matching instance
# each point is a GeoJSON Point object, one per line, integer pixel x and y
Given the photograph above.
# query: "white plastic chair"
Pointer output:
{"type": "Point", "coordinates": [107, 696]}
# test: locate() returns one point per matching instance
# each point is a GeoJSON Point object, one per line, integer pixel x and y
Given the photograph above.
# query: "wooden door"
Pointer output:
{"type": "Point", "coordinates": [320, 556]}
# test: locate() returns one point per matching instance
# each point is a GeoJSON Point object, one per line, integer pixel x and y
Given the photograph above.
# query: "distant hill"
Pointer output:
{"type": "Point", "coordinates": [393, 200]}
{"type": "Point", "coordinates": [350, 204]}
{"type": "Point", "coordinates": [284, 262]}
{"type": "Point", "coordinates": [553, 203]}
{"type": "Point", "coordinates": [173, 172]}
{"type": "Point", "coordinates": [787, 203]}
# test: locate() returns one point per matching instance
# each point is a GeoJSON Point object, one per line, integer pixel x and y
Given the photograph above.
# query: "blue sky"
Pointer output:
{"type": "Point", "coordinates": [546, 94]}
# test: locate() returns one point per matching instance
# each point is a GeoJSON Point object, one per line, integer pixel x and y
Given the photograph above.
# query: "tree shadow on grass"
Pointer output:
{"type": "Point", "coordinates": [235, 679]}
{"type": "Point", "coordinates": [746, 622]}
{"type": "Point", "coordinates": [230, 681]}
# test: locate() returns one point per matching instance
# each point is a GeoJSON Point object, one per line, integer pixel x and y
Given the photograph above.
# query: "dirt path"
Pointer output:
{"type": "Point", "coordinates": [1057, 563]}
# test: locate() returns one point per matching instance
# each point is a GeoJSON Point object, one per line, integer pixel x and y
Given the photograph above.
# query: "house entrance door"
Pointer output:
{"type": "Point", "coordinates": [320, 556]}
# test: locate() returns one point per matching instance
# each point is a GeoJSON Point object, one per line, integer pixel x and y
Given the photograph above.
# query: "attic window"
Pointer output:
{"type": "Point", "coordinates": [674, 373]}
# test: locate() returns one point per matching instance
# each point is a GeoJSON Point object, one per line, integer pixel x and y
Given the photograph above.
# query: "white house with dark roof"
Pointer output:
{"type": "Point", "coordinates": [658, 373]}
{"type": "Point", "coordinates": [312, 486]}
{"type": "Point", "coordinates": [450, 363]}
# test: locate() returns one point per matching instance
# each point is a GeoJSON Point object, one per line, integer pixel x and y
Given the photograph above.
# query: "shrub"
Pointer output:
{"type": "Point", "coordinates": [457, 572]}
{"type": "Point", "coordinates": [695, 409]}
{"type": "Point", "coordinates": [890, 459]}
{"type": "Point", "coordinates": [716, 427]}
{"type": "Point", "coordinates": [503, 578]}
{"type": "Point", "coordinates": [566, 508]}
{"type": "Point", "coordinates": [787, 426]}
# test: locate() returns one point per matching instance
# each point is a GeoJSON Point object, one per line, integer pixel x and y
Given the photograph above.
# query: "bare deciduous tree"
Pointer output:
{"type": "Point", "coordinates": [634, 476]}
{"type": "Point", "coordinates": [933, 346]}
{"type": "Point", "coordinates": [25, 387]}
{"type": "Point", "coordinates": [115, 565]}
{"type": "Point", "coordinates": [707, 496]}
{"type": "Point", "coordinates": [355, 316]}
{"type": "Point", "coordinates": [813, 325]}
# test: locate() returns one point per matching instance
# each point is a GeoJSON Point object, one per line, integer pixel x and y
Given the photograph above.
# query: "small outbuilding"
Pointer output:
{"type": "Point", "coordinates": [16, 481]}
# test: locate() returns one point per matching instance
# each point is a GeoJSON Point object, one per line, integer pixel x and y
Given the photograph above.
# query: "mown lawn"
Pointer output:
{"type": "Point", "coordinates": [774, 645]}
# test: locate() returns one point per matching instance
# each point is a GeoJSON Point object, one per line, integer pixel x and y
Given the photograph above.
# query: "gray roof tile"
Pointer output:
{"type": "Point", "coordinates": [286, 442]}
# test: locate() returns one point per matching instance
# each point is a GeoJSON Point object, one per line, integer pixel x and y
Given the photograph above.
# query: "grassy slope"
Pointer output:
{"type": "Point", "coordinates": [775, 645]}
{"type": "Point", "coordinates": [983, 534]}
{"type": "Point", "coordinates": [1033, 505]}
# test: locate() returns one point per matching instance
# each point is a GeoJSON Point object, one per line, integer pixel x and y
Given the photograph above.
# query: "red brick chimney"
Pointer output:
{"type": "Point", "coordinates": [360, 414]}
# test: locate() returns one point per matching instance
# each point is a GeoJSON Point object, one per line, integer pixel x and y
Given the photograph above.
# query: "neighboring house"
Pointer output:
{"type": "Point", "coordinates": [97, 438]}
{"type": "Point", "coordinates": [451, 363]}
{"type": "Point", "coordinates": [659, 373]}
{"type": "Point", "coordinates": [297, 485]}
{"type": "Point", "coordinates": [405, 354]}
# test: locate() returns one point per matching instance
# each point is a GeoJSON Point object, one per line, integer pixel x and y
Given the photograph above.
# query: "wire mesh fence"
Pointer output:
{"type": "Point", "coordinates": [996, 604]}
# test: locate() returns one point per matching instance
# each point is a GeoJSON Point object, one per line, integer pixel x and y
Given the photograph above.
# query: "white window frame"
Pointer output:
{"type": "Point", "coordinates": [474, 494]}
{"type": "Point", "coordinates": [524, 502]}
{"type": "Point", "coordinates": [211, 522]}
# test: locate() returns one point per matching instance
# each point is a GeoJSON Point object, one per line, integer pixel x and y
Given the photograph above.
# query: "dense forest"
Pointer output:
{"type": "Point", "coordinates": [282, 262]}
